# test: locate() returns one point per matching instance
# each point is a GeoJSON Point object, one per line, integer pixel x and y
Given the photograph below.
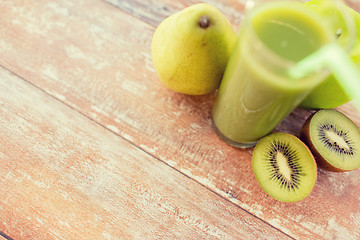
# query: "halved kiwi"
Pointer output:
{"type": "Point", "coordinates": [284, 167]}
{"type": "Point", "coordinates": [333, 139]}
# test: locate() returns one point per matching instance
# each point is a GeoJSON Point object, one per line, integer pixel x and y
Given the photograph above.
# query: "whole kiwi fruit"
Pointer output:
{"type": "Point", "coordinates": [284, 167]}
{"type": "Point", "coordinates": [333, 139]}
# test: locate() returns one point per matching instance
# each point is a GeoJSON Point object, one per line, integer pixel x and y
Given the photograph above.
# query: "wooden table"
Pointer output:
{"type": "Point", "coordinates": [93, 146]}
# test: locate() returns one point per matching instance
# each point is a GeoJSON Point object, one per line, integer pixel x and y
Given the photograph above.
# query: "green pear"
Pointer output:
{"type": "Point", "coordinates": [191, 48]}
{"type": "Point", "coordinates": [329, 94]}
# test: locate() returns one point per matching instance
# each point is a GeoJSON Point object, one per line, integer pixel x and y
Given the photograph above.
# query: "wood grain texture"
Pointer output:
{"type": "Point", "coordinates": [66, 177]}
{"type": "Point", "coordinates": [4, 238]}
{"type": "Point", "coordinates": [154, 11]}
{"type": "Point", "coordinates": [95, 58]}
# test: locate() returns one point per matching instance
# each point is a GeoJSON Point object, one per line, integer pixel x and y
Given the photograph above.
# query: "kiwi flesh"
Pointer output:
{"type": "Point", "coordinates": [284, 167]}
{"type": "Point", "coordinates": [333, 139]}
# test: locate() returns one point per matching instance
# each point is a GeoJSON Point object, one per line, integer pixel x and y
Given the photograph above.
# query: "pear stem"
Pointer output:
{"type": "Point", "coordinates": [204, 21]}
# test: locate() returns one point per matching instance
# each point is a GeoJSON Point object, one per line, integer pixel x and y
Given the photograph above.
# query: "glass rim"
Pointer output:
{"type": "Point", "coordinates": [306, 11]}
{"type": "Point", "coordinates": [274, 60]}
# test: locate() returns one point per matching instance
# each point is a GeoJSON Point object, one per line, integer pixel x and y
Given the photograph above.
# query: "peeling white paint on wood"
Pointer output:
{"type": "Point", "coordinates": [83, 182]}
{"type": "Point", "coordinates": [96, 59]}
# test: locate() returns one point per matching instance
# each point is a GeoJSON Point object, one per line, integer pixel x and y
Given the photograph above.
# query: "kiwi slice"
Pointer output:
{"type": "Point", "coordinates": [284, 167]}
{"type": "Point", "coordinates": [333, 139]}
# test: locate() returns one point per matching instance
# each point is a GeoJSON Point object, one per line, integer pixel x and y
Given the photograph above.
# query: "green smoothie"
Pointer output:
{"type": "Point", "coordinates": [256, 92]}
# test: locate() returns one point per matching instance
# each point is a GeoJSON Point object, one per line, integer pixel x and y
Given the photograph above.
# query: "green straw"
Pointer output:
{"type": "Point", "coordinates": [339, 63]}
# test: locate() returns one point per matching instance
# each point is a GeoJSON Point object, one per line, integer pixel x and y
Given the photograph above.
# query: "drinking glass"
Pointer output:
{"type": "Point", "coordinates": [257, 91]}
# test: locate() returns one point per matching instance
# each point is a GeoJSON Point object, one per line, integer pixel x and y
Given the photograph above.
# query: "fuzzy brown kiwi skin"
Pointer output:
{"type": "Point", "coordinates": [305, 137]}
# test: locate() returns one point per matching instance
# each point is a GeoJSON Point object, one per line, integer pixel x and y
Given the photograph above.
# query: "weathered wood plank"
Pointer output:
{"type": "Point", "coordinates": [96, 59]}
{"type": "Point", "coordinates": [354, 4]}
{"type": "Point", "coordinates": [154, 11]}
{"type": "Point", "coordinates": [3, 237]}
{"type": "Point", "coordinates": [66, 177]}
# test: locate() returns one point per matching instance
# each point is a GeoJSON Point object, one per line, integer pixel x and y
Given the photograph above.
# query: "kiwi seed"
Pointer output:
{"type": "Point", "coordinates": [284, 167]}
{"type": "Point", "coordinates": [333, 139]}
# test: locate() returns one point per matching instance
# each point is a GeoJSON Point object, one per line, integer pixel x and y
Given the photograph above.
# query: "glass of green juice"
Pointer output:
{"type": "Point", "coordinates": [257, 92]}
